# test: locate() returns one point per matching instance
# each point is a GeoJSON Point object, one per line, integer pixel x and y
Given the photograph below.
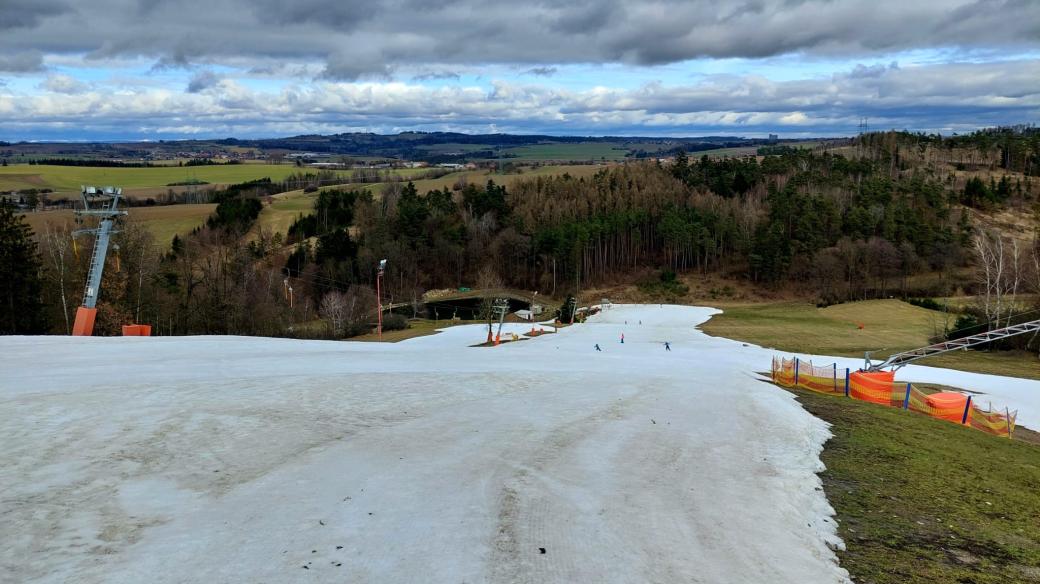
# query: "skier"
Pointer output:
{"type": "Point", "coordinates": [622, 338]}
{"type": "Point", "coordinates": [597, 347]}
{"type": "Point", "coordinates": [667, 346]}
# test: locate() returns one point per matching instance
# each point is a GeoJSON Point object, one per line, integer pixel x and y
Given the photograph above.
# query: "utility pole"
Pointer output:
{"type": "Point", "coordinates": [106, 209]}
{"type": "Point", "coordinates": [577, 286]}
{"type": "Point", "coordinates": [501, 307]}
{"type": "Point", "coordinates": [379, 298]}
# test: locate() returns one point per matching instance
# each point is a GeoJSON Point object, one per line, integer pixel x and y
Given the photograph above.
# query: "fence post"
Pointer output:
{"type": "Point", "coordinates": [846, 382]}
{"type": "Point", "coordinates": [835, 378]}
{"type": "Point", "coordinates": [967, 408]}
{"type": "Point", "coordinates": [796, 370]}
{"type": "Point", "coordinates": [1007, 419]}
{"type": "Point", "coordinates": [906, 400]}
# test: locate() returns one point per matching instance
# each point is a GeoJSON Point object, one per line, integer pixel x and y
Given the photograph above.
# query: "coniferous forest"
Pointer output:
{"type": "Point", "coordinates": [849, 222]}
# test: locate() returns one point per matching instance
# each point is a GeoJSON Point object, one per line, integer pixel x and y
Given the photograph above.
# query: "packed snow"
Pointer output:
{"type": "Point", "coordinates": [234, 459]}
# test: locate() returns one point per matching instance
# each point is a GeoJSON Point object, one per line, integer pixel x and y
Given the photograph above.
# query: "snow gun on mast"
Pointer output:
{"type": "Point", "coordinates": [103, 203]}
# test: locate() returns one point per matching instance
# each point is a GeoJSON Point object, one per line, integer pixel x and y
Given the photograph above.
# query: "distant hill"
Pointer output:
{"type": "Point", "coordinates": [432, 147]}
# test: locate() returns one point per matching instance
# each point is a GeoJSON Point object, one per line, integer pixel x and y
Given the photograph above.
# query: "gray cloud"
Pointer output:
{"type": "Point", "coordinates": [30, 62]}
{"type": "Point", "coordinates": [435, 76]}
{"type": "Point", "coordinates": [202, 81]}
{"type": "Point", "coordinates": [341, 16]}
{"type": "Point", "coordinates": [342, 66]}
{"type": "Point", "coordinates": [356, 38]}
{"type": "Point", "coordinates": [29, 13]}
{"type": "Point", "coordinates": [542, 71]}
{"type": "Point", "coordinates": [948, 97]}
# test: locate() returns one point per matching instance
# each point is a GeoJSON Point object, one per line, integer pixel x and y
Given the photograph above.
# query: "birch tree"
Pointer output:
{"type": "Point", "coordinates": [999, 275]}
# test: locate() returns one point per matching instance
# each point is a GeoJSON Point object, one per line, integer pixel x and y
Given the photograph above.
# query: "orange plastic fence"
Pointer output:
{"type": "Point", "coordinates": [876, 387]}
{"type": "Point", "coordinates": [947, 405]}
{"type": "Point", "coordinates": [881, 388]}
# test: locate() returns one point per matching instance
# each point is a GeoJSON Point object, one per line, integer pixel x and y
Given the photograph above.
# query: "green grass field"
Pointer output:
{"type": "Point", "coordinates": [162, 222]}
{"type": "Point", "coordinates": [419, 327]}
{"type": "Point", "coordinates": [138, 182]}
{"type": "Point", "coordinates": [67, 179]}
{"type": "Point", "coordinates": [566, 152]}
{"type": "Point", "coordinates": [921, 500]}
{"type": "Point", "coordinates": [284, 209]}
{"type": "Point", "coordinates": [889, 326]}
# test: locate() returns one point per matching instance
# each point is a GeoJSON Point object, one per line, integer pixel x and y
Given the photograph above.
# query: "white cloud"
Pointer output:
{"type": "Point", "coordinates": [921, 97]}
{"type": "Point", "coordinates": [61, 83]}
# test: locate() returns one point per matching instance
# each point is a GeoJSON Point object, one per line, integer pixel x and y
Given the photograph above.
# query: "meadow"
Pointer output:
{"type": "Point", "coordinates": [567, 152]}
{"type": "Point", "coordinates": [162, 222]}
{"type": "Point", "coordinates": [846, 330]}
{"type": "Point", "coordinates": [922, 500]}
{"type": "Point", "coordinates": [140, 183]}
{"type": "Point", "coordinates": [66, 180]}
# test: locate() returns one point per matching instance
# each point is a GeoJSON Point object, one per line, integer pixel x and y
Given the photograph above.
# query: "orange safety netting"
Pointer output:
{"type": "Point", "coordinates": [946, 405]}
{"type": "Point", "coordinates": [880, 387]}
{"type": "Point", "coordinates": [997, 423]}
{"type": "Point", "coordinates": [876, 387]}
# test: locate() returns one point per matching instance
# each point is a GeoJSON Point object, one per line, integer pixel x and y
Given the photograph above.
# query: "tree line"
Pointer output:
{"type": "Point", "coordinates": [855, 223]}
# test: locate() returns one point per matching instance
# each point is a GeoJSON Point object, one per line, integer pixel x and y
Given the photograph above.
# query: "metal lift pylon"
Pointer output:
{"type": "Point", "coordinates": [900, 359]}
{"type": "Point", "coordinates": [102, 203]}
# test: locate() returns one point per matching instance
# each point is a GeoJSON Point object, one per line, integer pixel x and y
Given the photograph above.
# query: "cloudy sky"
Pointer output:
{"type": "Point", "coordinates": [153, 69]}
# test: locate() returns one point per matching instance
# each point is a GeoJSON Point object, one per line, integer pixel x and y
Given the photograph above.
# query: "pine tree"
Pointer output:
{"type": "Point", "coordinates": [21, 310]}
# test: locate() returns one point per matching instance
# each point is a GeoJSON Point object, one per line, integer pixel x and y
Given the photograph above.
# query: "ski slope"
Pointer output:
{"type": "Point", "coordinates": [236, 459]}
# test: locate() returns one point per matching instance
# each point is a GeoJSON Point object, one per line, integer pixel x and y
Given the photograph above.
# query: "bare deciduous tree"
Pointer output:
{"type": "Point", "coordinates": [999, 275]}
{"type": "Point", "coordinates": [489, 284]}
{"type": "Point", "coordinates": [56, 242]}
{"type": "Point", "coordinates": [334, 309]}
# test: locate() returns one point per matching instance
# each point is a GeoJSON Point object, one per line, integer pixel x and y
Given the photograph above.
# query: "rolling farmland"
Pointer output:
{"type": "Point", "coordinates": [66, 180]}
{"type": "Point", "coordinates": [162, 222]}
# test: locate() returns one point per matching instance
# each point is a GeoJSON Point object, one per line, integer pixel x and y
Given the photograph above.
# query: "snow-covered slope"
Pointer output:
{"type": "Point", "coordinates": [223, 459]}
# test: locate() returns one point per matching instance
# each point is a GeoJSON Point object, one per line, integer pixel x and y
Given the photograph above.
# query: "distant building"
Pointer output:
{"type": "Point", "coordinates": [774, 138]}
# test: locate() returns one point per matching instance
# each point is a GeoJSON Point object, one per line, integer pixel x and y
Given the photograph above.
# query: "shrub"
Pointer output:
{"type": "Point", "coordinates": [967, 324]}
{"type": "Point", "coordinates": [394, 322]}
{"type": "Point", "coordinates": [928, 303]}
{"type": "Point", "coordinates": [666, 285]}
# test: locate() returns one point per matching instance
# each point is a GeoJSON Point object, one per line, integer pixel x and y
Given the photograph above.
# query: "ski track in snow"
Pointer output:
{"type": "Point", "coordinates": [238, 459]}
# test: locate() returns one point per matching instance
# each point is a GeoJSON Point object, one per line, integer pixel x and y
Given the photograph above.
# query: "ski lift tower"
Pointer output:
{"type": "Point", "coordinates": [102, 203]}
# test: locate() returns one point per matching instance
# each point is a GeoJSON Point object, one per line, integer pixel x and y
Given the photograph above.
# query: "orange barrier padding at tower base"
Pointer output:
{"type": "Point", "coordinates": [84, 325]}
{"type": "Point", "coordinates": [137, 330]}
{"type": "Point", "coordinates": [880, 387]}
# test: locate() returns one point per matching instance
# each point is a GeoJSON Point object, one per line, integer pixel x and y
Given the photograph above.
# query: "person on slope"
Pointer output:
{"type": "Point", "coordinates": [597, 347]}
{"type": "Point", "coordinates": [667, 346]}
